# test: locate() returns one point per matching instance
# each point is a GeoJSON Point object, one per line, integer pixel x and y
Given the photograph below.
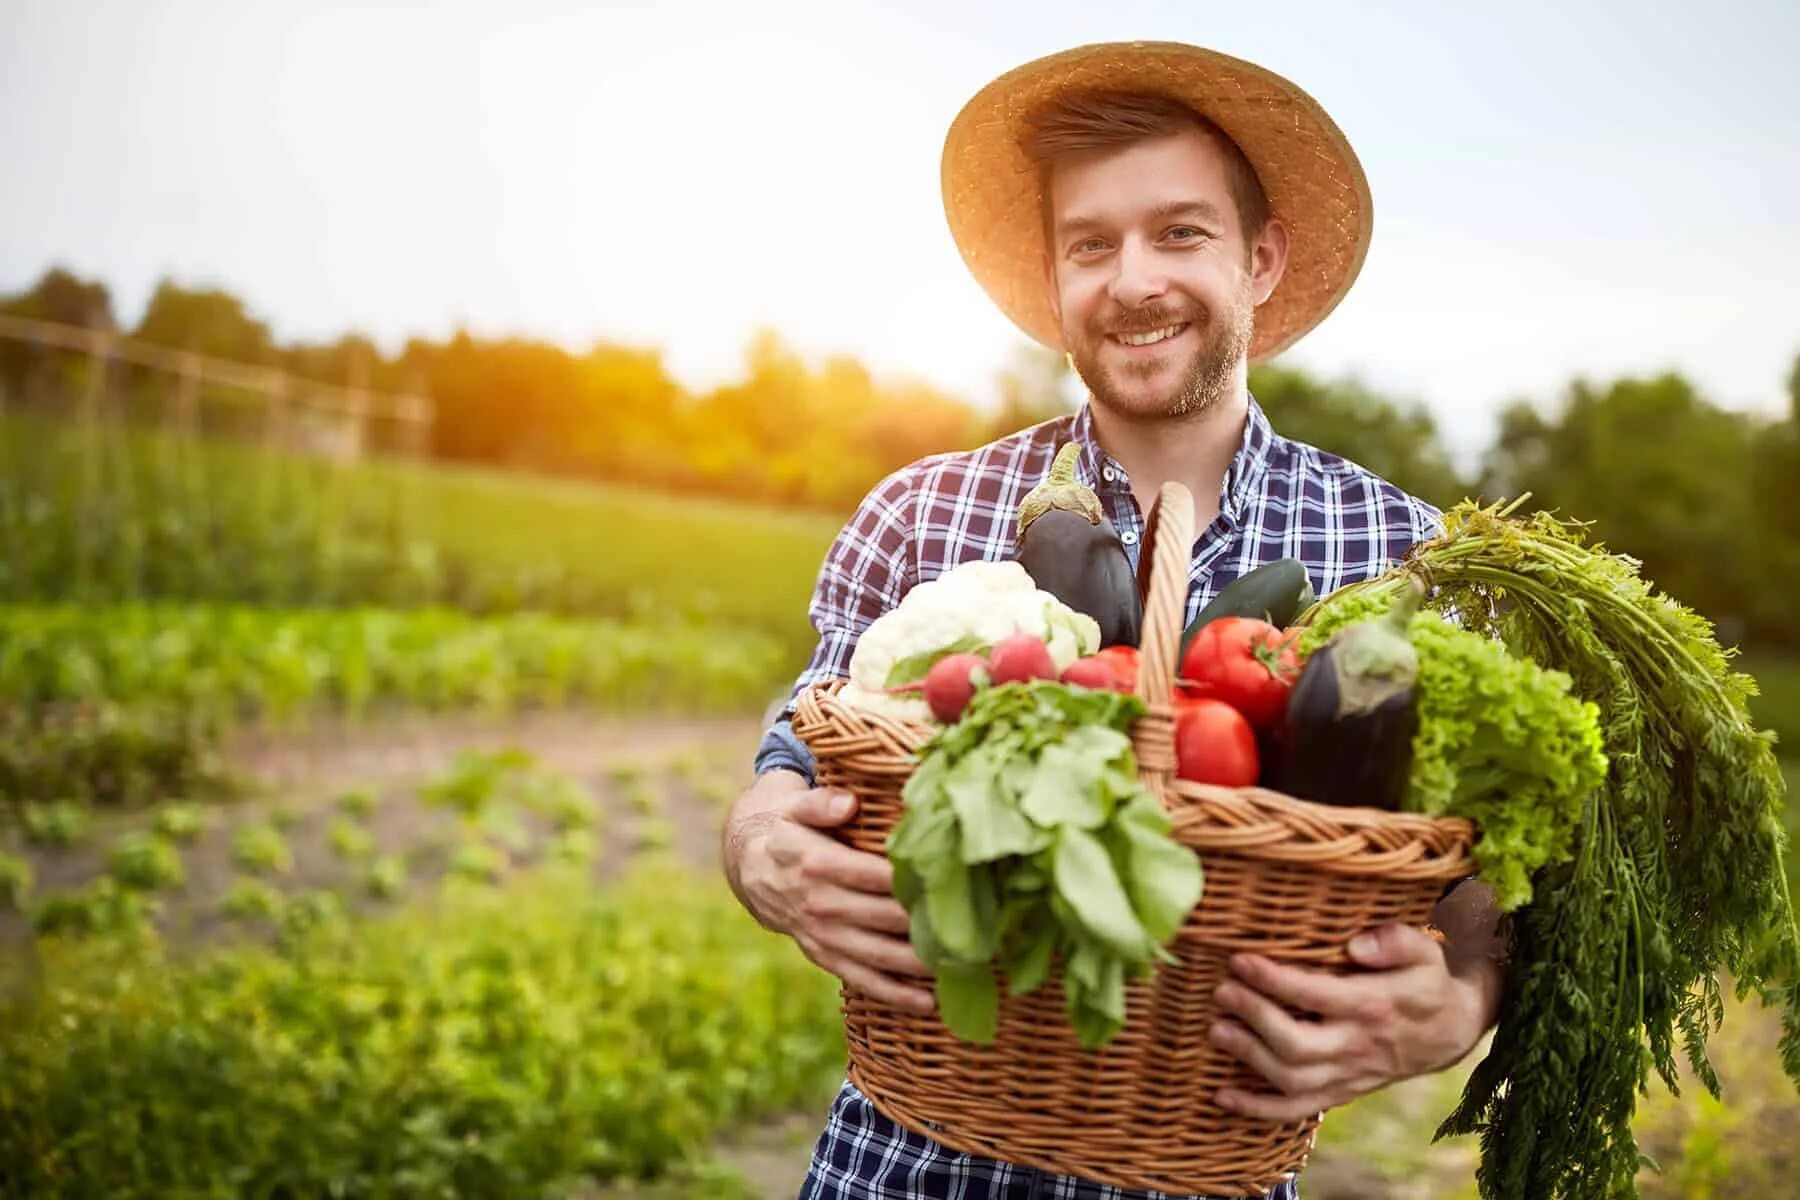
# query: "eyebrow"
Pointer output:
{"type": "Point", "coordinates": [1200, 209]}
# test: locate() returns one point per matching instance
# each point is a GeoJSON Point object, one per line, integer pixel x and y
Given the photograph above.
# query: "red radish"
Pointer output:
{"type": "Point", "coordinates": [1091, 672]}
{"type": "Point", "coordinates": [1124, 663]}
{"type": "Point", "coordinates": [950, 685]}
{"type": "Point", "coordinates": [1021, 657]}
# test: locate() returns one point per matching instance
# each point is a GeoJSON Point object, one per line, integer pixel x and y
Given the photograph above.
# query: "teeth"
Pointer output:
{"type": "Point", "coordinates": [1151, 338]}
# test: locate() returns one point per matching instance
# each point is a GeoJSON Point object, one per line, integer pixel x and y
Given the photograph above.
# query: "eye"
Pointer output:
{"type": "Point", "coordinates": [1185, 233]}
{"type": "Point", "coordinates": [1091, 245]}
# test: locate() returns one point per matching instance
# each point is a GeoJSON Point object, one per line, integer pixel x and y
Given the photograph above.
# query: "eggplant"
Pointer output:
{"type": "Point", "coordinates": [1347, 738]}
{"type": "Point", "coordinates": [1071, 550]}
{"type": "Point", "coordinates": [1275, 592]}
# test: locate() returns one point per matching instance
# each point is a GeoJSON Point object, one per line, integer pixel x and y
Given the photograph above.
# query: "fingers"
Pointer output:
{"type": "Point", "coordinates": [1294, 1041]}
{"type": "Point", "coordinates": [860, 909]}
{"type": "Point", "coordinates": [1248, 1049]}
{"type": "Point", "coordinates": [878, 985]}
{"type": "Point", "coordinates": [1392, 946]}
{"type": "Point", "coordinates": [880, 951]}
{"type": "Point", "coordinates": [820, 859]}
{"type": "Point", "coordinates": [1280, 1108]}
{"type": "Point", "coordinates": [1309, 991]}
{"type": "Point", "coordinates": [822, 808]}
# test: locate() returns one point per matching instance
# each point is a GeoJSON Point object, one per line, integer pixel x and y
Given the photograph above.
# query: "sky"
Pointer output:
{"type": "Point", "coordinates": [1561, 189]}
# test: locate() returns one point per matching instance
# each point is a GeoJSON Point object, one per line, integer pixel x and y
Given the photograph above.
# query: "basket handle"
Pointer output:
{"type": "Point", "coordinates": [1167, 549]}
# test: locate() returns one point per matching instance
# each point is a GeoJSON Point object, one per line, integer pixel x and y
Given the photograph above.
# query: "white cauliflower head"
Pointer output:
{"type": "Point", "coordinates": [970, 607]}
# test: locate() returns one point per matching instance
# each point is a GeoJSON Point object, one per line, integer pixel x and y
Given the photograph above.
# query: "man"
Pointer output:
{"type": "Point", "coordinates": [1164, 214]}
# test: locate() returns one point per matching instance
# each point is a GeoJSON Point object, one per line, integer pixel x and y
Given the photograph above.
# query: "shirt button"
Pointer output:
{"type": "Point", "coordinates": [1128, 537]}
{"type": "Point", "coordinates": [1109, 474]}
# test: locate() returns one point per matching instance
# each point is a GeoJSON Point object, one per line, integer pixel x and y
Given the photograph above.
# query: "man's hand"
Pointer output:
{"type": "Point", "coordinates": [1408, 1014]}
{"type": "Point", "coordinates": [836, 902]}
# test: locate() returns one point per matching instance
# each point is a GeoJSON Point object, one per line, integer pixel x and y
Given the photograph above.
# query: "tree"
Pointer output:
{"type": "Point", "coordinates": [1664, 476]}
{"type": "Point", "coordinates": [208, 321]}
{"type": "Point", "coordinates": [1398, 443]}
{"type": "Point", "coordinates": [63, 297]}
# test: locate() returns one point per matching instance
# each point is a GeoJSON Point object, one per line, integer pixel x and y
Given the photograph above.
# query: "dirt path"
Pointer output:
{"type": "Point", "coordinates": [647, 784]}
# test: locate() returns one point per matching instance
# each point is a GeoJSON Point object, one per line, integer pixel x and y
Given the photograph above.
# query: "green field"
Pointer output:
{"type": "Point", "coordinates": [499, 1042]}
{"type": "Point", "coordinates": [135, 515]}
{"type": "Point", "coordinates": [463, 975]}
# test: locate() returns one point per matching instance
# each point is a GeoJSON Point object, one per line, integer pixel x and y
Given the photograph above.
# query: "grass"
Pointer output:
{"type": "Point", "coordinates": [1778, 706]}
{"type": "Point", "coordinates": [133, 515]}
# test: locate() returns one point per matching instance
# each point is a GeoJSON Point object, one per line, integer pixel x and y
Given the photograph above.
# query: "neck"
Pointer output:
{"type": "Point", "coordinates": [1194, 451]}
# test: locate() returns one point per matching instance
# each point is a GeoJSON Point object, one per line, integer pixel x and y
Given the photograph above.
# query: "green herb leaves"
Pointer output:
{"type": "Point", "coordinates": [1676, 875]}
{"type": "Point", "coordinates": [1028, 838]}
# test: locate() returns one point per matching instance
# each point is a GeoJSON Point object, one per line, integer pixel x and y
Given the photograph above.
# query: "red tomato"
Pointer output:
{"type": "Point", "coordinates": [1124, 663]}
{"type": "Point", "coordinates": [1249, 664]}
{"type": "Point", "coordinates": [1214, 743]}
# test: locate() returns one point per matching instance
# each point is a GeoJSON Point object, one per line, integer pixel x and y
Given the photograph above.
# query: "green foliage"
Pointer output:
{"type": "Point", "coordinates": [1399, 442]}
{"type": "Point", "coordinates": [253, 899]}
{"type": "Point", "coordinates": [181, 821]}
{"type": "Point", "coordinates": [573, 847]}
{"type": "Point", "coordinates": [477, 780]}
{"type": "Point", "coordinates": [1677, 877]}
{"type": "Point", "coordinates": [387, 877]}
{"type": "Point", "coordinates": [15, 882]}
{"type": "Point", "coordinates": [478, 862]}
{"type": "Point", "coordinates": [227, 663]}
{"type": "Point", "coordinates": [563, 800]}
{"type": "Point", "coordinates": [350, 840]}
{"type": "Point", "coordinates": [1706, 499]}
{"type": "Point", "coordinates": [655, 834]}
{"type": "Point", "coordinates": [358, 802]}
{"type": "Point", "coordinates": [146, 862]}
{"type": "Point", "coordinates": [262, 850]}
{"type": "Point", "coordinates": [305, 912]}
{"type": "Point", "coordinates": [503, 1043]}
{"type": "Point", "coordinates": [175, 520]}
{"type": "Point", "coordinates": [1027, 840]}
{"type": "Point", "coordinates": [1776, 706]}
{"type": "Point", "coordinates": [57, 823]}
{"type": "Point", "coordinates": [1501, 743]}
{"type": "Point", "coordinates": [103, 906]}
{"type": "Point", "coordinates": [643, 798]}
{"type": "Point", "coordinates": [103, 754]}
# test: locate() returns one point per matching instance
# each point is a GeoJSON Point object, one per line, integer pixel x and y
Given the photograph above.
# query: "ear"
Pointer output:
{"type": "Point", "coordinates": [1268, 260]}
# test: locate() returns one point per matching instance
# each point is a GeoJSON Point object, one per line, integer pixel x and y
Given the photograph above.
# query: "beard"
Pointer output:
{"type": "Point", "coordinates": [1223, 339]}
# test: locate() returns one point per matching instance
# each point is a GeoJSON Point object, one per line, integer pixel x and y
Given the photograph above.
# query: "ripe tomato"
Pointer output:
{"type": "Point", "coordinates": [1214, 743]}
{"type": "Point", "coordinates": [1124, 663]}
{"type": "Point", "coordinates": [1249, 664]}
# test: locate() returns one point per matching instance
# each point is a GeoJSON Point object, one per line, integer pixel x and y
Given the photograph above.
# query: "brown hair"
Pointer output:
{"type": "Point", "coordinates": [1079, 122]}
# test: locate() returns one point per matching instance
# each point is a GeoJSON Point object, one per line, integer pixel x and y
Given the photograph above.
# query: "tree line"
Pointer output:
{"type": "Point", "coordinates": [1707, 498]}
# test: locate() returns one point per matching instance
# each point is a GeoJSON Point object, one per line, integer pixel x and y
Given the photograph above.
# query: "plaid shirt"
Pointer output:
{"type": "Point", "coordinates": [1279, 499]}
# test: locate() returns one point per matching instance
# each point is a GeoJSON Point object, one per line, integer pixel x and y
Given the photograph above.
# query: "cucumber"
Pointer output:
{"type": "Point", "coordinates": [1275, 592]}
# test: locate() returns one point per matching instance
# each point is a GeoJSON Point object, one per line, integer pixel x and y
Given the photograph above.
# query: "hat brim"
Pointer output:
{"type": "Point", "coordinates": [1309, 173]}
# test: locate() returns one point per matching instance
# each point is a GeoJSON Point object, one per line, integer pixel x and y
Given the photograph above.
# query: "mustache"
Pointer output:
{"type": "Point", "coordinates": [1143, 320]}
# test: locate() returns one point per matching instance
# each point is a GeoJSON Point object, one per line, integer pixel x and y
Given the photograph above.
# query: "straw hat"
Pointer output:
{"type": "Point", "coordinates": [1308, 171]}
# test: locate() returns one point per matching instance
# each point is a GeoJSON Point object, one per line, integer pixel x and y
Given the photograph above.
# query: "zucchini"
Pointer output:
{"type": "Point", "coordinates": [1275, 592]}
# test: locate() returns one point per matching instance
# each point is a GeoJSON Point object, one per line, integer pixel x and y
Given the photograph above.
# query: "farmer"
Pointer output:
{"type": "Point", "coordinates": [1164, 215]}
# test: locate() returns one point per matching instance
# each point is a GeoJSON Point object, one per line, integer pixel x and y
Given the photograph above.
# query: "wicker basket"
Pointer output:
{"type": "Point", "coordinates": [1285, 878]}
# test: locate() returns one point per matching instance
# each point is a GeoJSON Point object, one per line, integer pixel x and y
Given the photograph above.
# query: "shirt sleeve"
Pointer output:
{"type": "Point", "coordinates": [865, 573]}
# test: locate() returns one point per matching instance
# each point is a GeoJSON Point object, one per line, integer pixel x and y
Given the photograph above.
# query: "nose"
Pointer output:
{"type": "Point", "coordinates": [1137, 277]}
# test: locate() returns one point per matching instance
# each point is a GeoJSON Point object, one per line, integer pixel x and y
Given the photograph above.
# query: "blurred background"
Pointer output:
{"type": "Point", "coordinates": [420, 427]}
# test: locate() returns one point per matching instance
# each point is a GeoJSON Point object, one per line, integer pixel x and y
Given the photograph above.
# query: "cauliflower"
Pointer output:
{"type": "Point", "coordinates": [970, 607]}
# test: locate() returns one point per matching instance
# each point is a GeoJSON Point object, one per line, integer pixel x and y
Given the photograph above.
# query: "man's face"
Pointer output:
{"type": "Point", "coordinates": [1146, 246]}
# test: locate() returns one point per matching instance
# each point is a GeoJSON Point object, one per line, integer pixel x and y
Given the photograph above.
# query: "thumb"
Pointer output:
{"type": "Point", "coordinates": [823, 808]}
{"type": "Point", "coordinates": [1393, 946]}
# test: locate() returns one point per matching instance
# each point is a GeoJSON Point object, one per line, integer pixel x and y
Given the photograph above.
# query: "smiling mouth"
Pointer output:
{"type": "Point", "coordinates": [1149, 337]}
